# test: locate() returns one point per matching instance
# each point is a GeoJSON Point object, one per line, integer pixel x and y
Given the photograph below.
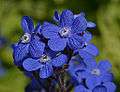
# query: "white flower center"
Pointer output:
{"type": "Point", "coordinates": [44, 58]}
{"type": "Point", "coordinates": [65, 32]}
{"type": "Point", "coordinates": [95, 72]}
{"type": "Point", "coordinates": [84, 45]}
{"type": "Point", "coordinates": [26, 38]}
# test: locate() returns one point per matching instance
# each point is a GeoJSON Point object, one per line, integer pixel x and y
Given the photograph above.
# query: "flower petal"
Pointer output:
{"type": "Point", "coordinates": [56, 16]}
{"type": "Point", "coordinates": [90, 63]}
{"type": "Point", "coordinates": [66, 18]}
{"type": "Point", "coordinates": [107, 77]}
{"type": "Point", "coordinates": [75, 42]}
{"type": "Point", "coordinates": [110, 87]}
{"type": "Point", "coordinates": [57, 44]}
{"type": "Point", "coordinates": [91, 49]}
{"type": "Point", "coordinates": [104, 65]}
{"type": "Point", "coordinates": [79, 24]}
{"type": "Point", "coordinates": [100, 89]}
{"type": "Point", "coordinates": [80, 14]}
{"type": "Point", "coordinates": [81, 88]}
{"type": "Point", "coordinates": [27, 24]}
{"type": "Point", "coordinates": [92, 82]}
{"type": "Point", "coordinates": [50, 30]}
{"type": "Point", "coordinates": [91, 25]}
{"type": "Point", "coordinates": [87, 36]}
{"type": "Point", "coordinates": [38, 28]}
{"type": "Point", "coordinates": [31, 64]}
{"type": "Point", "coordinates": [46, 70]}
{"type": "Point", "coordinates": [59, 61]}
{"type": "Point", "coordinates": [20, 52]}
{"type": "Point", "coordinates": [51, 53]}
{"type": "Point", "coordinates": [36, 48]}
{"type": "Point", "coordinates": [84, 54]}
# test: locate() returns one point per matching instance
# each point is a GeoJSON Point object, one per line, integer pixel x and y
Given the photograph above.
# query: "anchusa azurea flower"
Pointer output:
{"type": "Point", "coordinates": [60, 57]}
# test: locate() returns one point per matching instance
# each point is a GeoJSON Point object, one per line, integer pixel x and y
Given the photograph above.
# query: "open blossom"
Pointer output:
{"type": "Point", "coordinates": [29, 42]}
{"type": "Point", "coordinates": [66, 33]}
{"type": "Point", "coordinates": [93, 73]}
{"type": "Point", "coordinates": [45, 63]}
{"type": "Point", "coordinates": [98, 73]}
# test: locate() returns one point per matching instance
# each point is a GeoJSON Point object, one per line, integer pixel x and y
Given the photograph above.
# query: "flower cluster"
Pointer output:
{"type": "Point", "coordinates": [62, 53]}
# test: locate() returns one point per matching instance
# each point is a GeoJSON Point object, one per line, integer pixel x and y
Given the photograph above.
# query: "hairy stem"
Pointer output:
{"type": "Point", "coordinates": [62, 83]}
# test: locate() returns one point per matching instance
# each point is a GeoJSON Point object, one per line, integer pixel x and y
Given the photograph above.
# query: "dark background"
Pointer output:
{"type": "Point", "coordinates": [105, 13]}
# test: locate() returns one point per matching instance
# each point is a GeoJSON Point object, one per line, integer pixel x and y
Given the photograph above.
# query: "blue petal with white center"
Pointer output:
{"type": "Point", "coordinates": [59, 61]}
{"type": "Point", "coordinates": [27, 24]}
{"type": "Point", "coordinates": [30, 64]}
{"type": "Point", "coordinates": [46, 70]}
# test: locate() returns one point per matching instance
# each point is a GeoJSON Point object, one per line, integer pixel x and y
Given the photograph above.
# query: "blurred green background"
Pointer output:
{"type": "Point", "coordinates": [105, 13]}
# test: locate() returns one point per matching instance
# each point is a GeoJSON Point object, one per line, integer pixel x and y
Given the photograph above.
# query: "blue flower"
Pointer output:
{"type": "Point", "coordinates": [95, 74]}
{"type": "Point", "coordinates": [29, 42]}
{"type": "Point", "coordinates": [45, 63]}
{"type": "Point", "coordinates": [66, 33]}
{"type": "Point", "coordinates": [105, 87]}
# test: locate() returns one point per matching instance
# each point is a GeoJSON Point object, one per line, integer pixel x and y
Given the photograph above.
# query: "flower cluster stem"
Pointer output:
{"type": "Point", "coordinates": [62, 83]}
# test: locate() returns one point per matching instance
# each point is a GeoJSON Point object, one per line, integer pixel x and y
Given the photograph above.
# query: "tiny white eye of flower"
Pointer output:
{"type": "Point", "coordinates": [95, 72]}
{"type": "Point", "coordinates": [26, 38]}
{"type": "Point", "coordinates": [64, 32]}
{"type": "Point", "coordinates": [44, 58]}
